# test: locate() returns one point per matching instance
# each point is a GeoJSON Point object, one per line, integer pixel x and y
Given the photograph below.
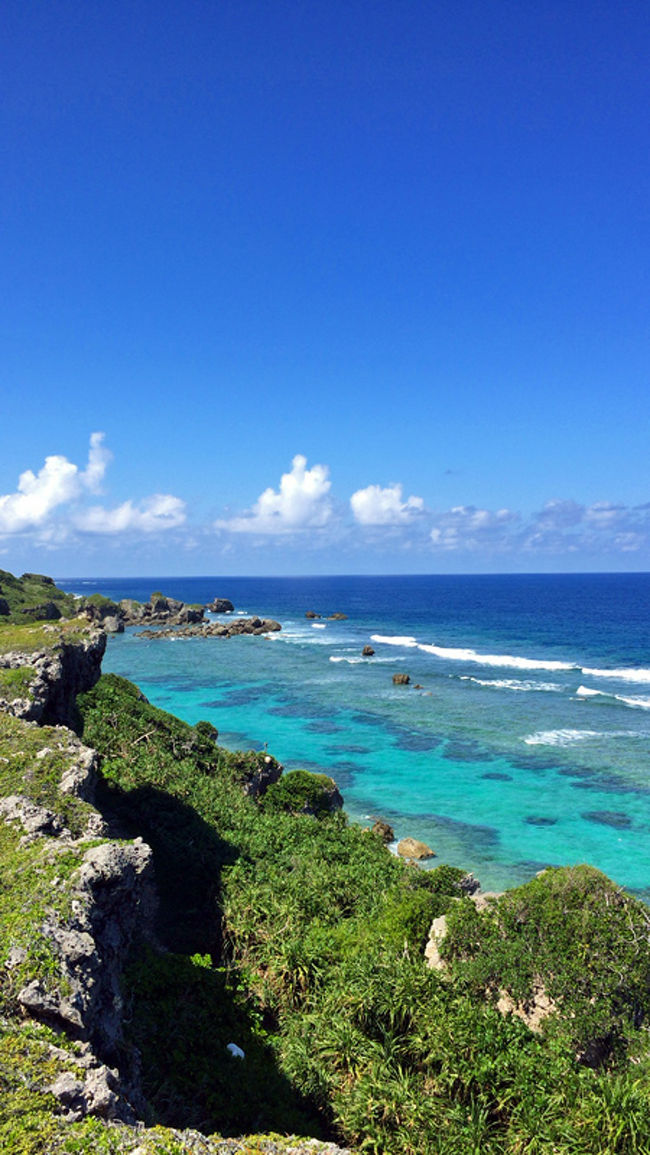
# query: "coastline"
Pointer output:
{"type": "Point", "coordinates": [500, 769]}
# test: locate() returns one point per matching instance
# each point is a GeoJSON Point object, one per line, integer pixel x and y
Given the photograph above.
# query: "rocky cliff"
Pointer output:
{"type": "Point", "coordinates": [74, 899]}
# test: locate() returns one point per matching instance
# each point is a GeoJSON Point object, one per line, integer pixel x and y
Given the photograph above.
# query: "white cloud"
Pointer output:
{"type": "Point", "coordinates": [39, 494]}
{"type": "Point", "coordinates": [468, 528]}
{"type": "Point", "coordinates": [376, 506]}
{"type": "Point", "coordinates": [98, 461]}
{"type": "Point", "coordinates": [159, 512]}
{"type": "Point", "coordinates": [38, 504]}
{"type": "Point", "coordinates": [302, 502]}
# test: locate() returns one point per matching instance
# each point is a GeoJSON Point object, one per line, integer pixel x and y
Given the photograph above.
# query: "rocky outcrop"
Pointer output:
{"type": "Point", "coordinates": [401, 679]}
{"type": "Point", "coordinates": [414, 849]}
{"type": "Point", "coordinates": [65, 955]}
{"type": "Point", "coordinates": [60, 672]}
{"type": "Point", "coordinates": [220, 606]}
{"type": "Point", "coordinates": [256, 772]}
{"type": "Point", "coordinates": [367, 651]}
{"type": "Point", "coordinates": [159, 610]}
{"type": "Point", "coordinates": [110, 898]}
{"type": "Point", "coordinates": [384, 830]}
{"type": "Point", "coordinates": [45, 612]}
{"type": "Point", "coordinates": [233, 629]}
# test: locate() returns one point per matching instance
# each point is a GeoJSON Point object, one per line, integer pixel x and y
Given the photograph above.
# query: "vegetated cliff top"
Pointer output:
{"type": "Point", "coordinates": [33, 597]}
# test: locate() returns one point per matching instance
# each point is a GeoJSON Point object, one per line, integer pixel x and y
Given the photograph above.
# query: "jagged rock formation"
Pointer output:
{"type": "Point", "coordinates": [202, 629]}
{"type": "Point", "coordinates": [220, 606]}
{"type": "Point", "coordinates": [53, 675]}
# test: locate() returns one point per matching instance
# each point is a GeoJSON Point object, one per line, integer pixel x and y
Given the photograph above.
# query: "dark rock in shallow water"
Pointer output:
{"type": "Point", "coordinates": [535, 820]}
{"type": "Point", "coordinates": [203, 629]}
{"type": "Point", "coordinates": [465, 750]}
{"type": "Point", "coordinates": [338, 617]}
{"type": "Point", "coordinates": [367, 651]}
{"type": "Point", "coordinates": [323, 727]}
{"type": "Point", "coordinates": [384, 830]}
{"type": "Point", "coordinates": [609, 818]}
{"type": "Point", "coordinates": [221, 606]}
{"type": "Point", "coordinates": [401, 679]}
{"type": "Point", "coordinates": [311, 615]}
{"type": "Point", "coordinates": [496, 776]}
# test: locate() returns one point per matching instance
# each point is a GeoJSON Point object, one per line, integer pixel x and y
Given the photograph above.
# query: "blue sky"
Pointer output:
{"type": "Point", "coordinates": [346, 286]}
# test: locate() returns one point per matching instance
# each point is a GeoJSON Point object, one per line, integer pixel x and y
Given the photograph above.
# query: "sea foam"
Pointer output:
{"type": "Point", "coordinates": [512, 684]}
{"type": "Point", "coordinates": [585, 693]}
{"type": "Point", "coordinates": [454, 654]}
{"type": "Point", "coordinates": [623, 675]}
{"type": "Point", "coordinates": [568, 737]}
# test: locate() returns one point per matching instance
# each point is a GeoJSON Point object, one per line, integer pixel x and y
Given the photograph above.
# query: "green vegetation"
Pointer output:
{"type": "Point", "coordinates": [27, 639]}
{"type": "Point", "coordinates": [26, 597]}
{"type": "Point", "coordinates": [15, 683]}
{"type": "Point", "coordinates": [300, 792]}
{"type": "Point", "coordinates": [310, 939]}
{"type": "Point", "coordinates": [299, 938]}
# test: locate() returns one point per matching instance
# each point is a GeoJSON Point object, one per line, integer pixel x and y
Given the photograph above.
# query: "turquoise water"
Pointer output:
{"type": "Point", "coordinates": [526, 745]}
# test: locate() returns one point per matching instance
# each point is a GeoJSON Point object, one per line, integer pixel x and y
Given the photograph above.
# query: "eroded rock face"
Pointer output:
{"type": "Point", "coordinates": [257, 626]}
{"type": "Point", "coordinates": [383, 829]}
{"type": "Point", "coordinates": [159, 610]}
{"type": "Point", "coordinates": [259, 773]}
{"type": "Point", "coordinates": [60, 673]}
{"type": "Point", "coordinates": [413, 848]}
{"type": "Point", "coordinates": [221, 606]}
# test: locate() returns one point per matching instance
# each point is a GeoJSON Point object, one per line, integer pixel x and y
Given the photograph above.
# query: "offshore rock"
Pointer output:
{"type": "Point", "coordinates": [220, 606]}
{"type": "Point", "coordinates": [401, 679]}
{"type": "Point", "coordinates": [413, 848]}
{"type": "Point", "coordinates": [257, 626]}
{"type": "Point", "coordinates": [384, 830]}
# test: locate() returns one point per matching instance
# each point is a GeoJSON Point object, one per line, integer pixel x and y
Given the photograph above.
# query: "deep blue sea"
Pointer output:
{"type": "Point", "coordinates": [522, 741]}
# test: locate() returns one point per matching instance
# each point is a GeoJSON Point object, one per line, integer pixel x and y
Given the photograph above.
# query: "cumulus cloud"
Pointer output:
{"type": "Point", "coordinates": [376, 506]}
{"type": "Point", "coordinates": [58, 481]}
{"type": "Point", "coordinates": [99, 457]}
{"type": "Point", "coordinates": [302, 502]}
{"type": "Point", "coordinates": [464, 527]}
{"type": "Point", "coordinates": [159, 512]}
{"type": "Point", "coordinates": [50, 502]}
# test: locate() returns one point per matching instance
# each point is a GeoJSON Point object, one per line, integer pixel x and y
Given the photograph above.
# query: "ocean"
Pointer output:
{"type": "Point", "coordinates": [522, 740]}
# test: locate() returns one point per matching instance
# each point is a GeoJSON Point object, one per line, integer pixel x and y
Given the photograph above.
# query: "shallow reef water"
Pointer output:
{"type": "Point", "coordinates": [528, 695]}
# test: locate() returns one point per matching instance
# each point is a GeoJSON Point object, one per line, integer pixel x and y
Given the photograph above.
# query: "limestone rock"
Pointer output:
{"type": "Point", "coordinates": [437, 933]}
{"type": "Point", "coordinates": [202, 629]}
{"type": "Point", "coordinates": [384, 830]}
{"type": "Point", "coordinates": [531, 1011]}
{"type": "Point", "coordinates": [413, 848]}
{"type": "Point", "coordinates": [260, 773]}
{"type": "Point", "coordinates": [60, 673]}
{"type": "Point", "coordinates": [113, 625]}
{"type": "Point", "coordinates": [221, 606]}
